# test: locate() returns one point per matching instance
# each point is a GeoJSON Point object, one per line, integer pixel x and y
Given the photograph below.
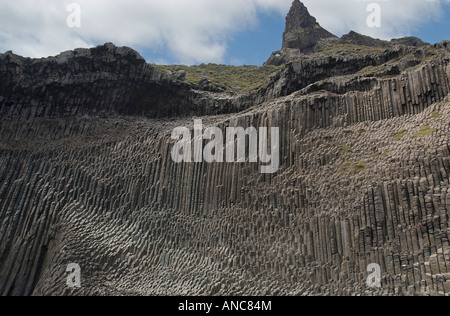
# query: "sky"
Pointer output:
{"type": "Point", "coordinates": [190, 32]}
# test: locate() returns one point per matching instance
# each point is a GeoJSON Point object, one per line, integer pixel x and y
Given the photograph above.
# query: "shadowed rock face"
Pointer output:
{"type": "Point", "coordinates": [86, 177]}
{"type": "Point", "coordinates": [302, 30]}
{"type": "Point", "coordinates": [70, 84]}
{"type": "Point", "coordinates": [359, 39]}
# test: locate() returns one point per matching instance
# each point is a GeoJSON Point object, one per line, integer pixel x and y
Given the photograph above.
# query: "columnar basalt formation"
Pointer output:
{"type": "Point", "coordinates": [86, 177]}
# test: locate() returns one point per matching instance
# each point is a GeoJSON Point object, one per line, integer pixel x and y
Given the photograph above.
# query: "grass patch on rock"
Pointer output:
{"type": "Point", "coordinates": [355, 167]}
{"type": "Point", "coordinates": [359, 167]}
{"type": "Point", "coordinates": [424, 131]}
{"type": "Point", "coordinates": [386, 153]}
{"type": "Point", "coordinates": [400, 134]}
{"type": "Point", "coordinates": [349, 48]}
{"type": "Point", "coordinates": [237, 79]}
{"type": "Point", "coordinates": [344, 149]}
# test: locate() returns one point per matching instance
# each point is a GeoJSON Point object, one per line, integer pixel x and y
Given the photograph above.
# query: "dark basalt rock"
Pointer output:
{"type": "Point", "coordinates": [105, 79]}
{"type": "Point", "coordinates": [304, 36]}
{"type": "Point", "coordinates": [359, 39]}
{"type": "Point", "coordinates": [87, 177]}
{"type": "Point", "coordinates": [409, 41]}
{"type": "Point", "coordinates": [302, 30]}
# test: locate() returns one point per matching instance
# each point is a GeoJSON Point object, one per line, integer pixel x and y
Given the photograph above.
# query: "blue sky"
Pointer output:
{"type": "Point", "coordinates": [201, 31]}
{"type": "Point", "coordinates": [254, 46]}
{"type": "Point", "coordinates": [250, 47]}
{"type": "Point", "coordinates": [437, 30]}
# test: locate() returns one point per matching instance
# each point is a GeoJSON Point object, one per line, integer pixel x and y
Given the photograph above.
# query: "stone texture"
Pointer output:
{"type": "Point", "coordinates": [304, 36]}
{"type": "Point", "coordinates": [101, 80]}
{"type": "Point", "coordinates": [104, 193]}
{"type": "Point", "coordinates": [302, 30]}
{"type": "Point", "coordinates": [86, 177]}
{"type": "Point", "coordinates": [359, 39]}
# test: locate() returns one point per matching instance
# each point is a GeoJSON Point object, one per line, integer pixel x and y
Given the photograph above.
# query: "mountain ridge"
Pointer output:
{"type": "Point", "coordinates": [304, 36]}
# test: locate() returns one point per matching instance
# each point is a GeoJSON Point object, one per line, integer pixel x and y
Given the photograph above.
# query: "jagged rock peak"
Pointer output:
{"type": "Point", "coordinates": [302, 30]}
{"type": "Point", "coordinates": [303, 35]}
{"type": "Point", "coordinates": [299, 17]}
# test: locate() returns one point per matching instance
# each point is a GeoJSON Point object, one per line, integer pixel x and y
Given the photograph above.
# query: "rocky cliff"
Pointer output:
{"type": "Point", "coordinates": [86, 177]}
{"type": "Point", "coordinates": [304, 36]}
{"type": "Point", "coordinates": [302, 30]}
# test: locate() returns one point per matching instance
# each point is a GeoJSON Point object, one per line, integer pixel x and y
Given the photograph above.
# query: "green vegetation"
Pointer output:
{"type": "Point", "coordinates": [358, 167]}
{"type": "Point", "coordinates": [343, 149]}
{"type": "Point", "coordinates": [424, 131]}
{"type": "Point", "coordinates": [400, 134]}
{"type": "Point", "coordinates": [386, 153]}
{"type": "Point", "coordinates": [360, 131]}
{"type": "Point", "coordinates": [430, 54]}
{"type": "Point", "coordinates": [371, 70]}
{"type": "Point", "coordinates": [323, 91]}
{"type": "Point", "coordinates": [436, 115]}
{"type": "Point", "coordinates": [349, 48]}
{"type": "Point", "coordinates": [235, 79]}
{"type": "Point", "coordinates": [345, 167]}
{"type": "Point", "coordinates": [384, 70]}
{"type": "Point", "coordinates": [431, 49]}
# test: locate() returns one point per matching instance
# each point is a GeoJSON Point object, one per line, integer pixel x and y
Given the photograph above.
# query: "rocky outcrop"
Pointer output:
{"type": "Point", "coordinates": [105, 79]}
{"type": "Point", "coordinates": [302, 30]}
{"type": "Point", "coordinates": [72, 81]}
{"type": "Point", "coordinates": [345, 71]}
{"type": "Point", "coordinates": [364, 40]}
{"type": "Point", "coordinates": [409, 41]}
{"type": "Point", "coordinates": [359, 39]}
{"type": "Point", "coordinates": [304, 36]}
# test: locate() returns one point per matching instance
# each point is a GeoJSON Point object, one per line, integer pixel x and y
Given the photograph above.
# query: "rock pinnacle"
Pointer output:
{"type": "Point", "coordinates": [302, 30]}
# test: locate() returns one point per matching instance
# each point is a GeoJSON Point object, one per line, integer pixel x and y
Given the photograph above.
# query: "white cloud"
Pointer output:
{"type": "Point", "coordinates": [191, 31]}
{"type": "Point", "coordinates": [398, 17]}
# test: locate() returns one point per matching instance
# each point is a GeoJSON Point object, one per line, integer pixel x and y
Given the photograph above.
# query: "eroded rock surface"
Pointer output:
{"type": "Point", "coordinates": [86, 177]}
{"type": "Point", "coordinates": [304, 36]}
